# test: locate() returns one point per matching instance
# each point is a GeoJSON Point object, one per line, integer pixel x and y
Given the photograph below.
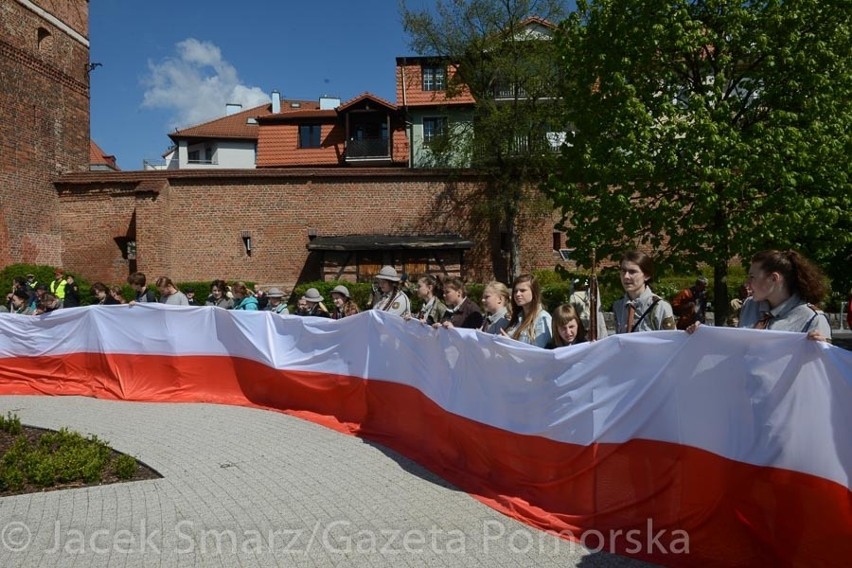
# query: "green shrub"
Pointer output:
{"type": "Point", "coordinates": [11, 478]}
{"type": "Point", "coordinates": [11, 423]}
{"type": "Point", "coordinates": [74, 456]}
{"type": "Point", "coordinates": [16, 454]}
{"type": "Point", "coordinates": [60, 457]}
{"type": "Point", "coordinates": [548, 278]}
{"type": "Point", "coordinates": [42, 471]}
{"type": "Point", "coordinates": [124, 466]}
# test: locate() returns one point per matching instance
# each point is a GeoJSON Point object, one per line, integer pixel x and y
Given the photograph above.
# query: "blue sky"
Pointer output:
{"type": "Point", "coordinates": [167, 64]}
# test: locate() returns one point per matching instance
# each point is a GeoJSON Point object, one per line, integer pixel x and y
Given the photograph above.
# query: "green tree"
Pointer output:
{"type": "Point", "coordinates": [708, 130]}
{"type": "Point", "coordinates": [501, 53]}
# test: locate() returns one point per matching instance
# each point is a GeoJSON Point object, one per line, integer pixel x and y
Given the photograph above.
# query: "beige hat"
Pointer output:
{"type": "Point", "coordinates": [388, 273]}
{"type": "Point", "coordinates": [312, 295]}
{"type": "Point", "coordinates": [342, 290]}
{"type": "Point", "coordinates": [274, 293]}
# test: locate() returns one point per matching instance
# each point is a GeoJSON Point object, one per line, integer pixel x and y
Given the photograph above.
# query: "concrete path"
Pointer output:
{"type": "Point", "coordinates": [246, 487]}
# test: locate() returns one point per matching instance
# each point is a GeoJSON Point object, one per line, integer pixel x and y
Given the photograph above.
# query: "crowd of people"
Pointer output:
{"type": "Point", "coordinates": [29, 297]}
{"type": "Point", "coordinates": [781, 293]}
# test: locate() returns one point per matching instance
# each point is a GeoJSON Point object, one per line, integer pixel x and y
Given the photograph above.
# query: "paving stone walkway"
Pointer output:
{"type": "Point", "coordinates": [247, 487]}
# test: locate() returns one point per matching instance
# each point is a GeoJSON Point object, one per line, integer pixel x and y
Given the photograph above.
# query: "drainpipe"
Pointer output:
{"type": "Point", "coordinates": [408, 126]}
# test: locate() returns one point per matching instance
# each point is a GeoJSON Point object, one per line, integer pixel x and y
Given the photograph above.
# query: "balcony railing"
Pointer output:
{"type": "Point", "coordinates": [367, 148]}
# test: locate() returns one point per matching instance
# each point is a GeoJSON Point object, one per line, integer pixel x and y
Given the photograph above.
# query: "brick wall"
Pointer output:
{"type": "Point", "coordinates": [44, 102]}
{"type": "Point", "coordinates": [190, 228]}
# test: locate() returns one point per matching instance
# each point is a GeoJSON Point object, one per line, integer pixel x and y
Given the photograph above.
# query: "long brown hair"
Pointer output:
{"type": "Point", "coordinates": [800, 275]}
{"type": "Point", "coordinates": [528, 324]}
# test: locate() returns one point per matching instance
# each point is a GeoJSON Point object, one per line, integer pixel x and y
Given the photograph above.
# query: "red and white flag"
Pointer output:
{"type": "Point", "coordinates": [727, 447]}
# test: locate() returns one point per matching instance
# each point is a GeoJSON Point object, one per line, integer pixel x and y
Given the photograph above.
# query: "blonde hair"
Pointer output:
{"type": "Point", "coordinates": [503, 291]}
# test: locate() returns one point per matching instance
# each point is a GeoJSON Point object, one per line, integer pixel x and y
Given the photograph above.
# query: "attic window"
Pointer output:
{"type": "Point", "coordinates": [434, 77]}
{"type": "Point", "coordinates": [309, 135]}
{"type": "Point", "coordinates": [251, 120]}
{"type": "Point", "coordinates": [295, 105]}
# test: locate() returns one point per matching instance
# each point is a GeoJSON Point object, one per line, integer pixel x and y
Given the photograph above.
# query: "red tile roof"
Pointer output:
{"type": "Point", "coordinates": [537, 20]}
{"type": "Point", "coordinates": [297, 114]}
{"type": "Point", "coordinates": [236, 126]}
{"type": "Point", "coordinates": [231, 126]}
{"type": "Point", "coordinates": [409, 85]}
{"type": "Point", "coordinates": [98, 157]}
{"type": "Point", "coordinates": [278, 146]}
{"type": "Point", "coordinates": [366, 96]}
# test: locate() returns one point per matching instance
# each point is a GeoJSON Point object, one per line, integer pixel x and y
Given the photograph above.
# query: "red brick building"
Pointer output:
{"type": "Point", "coordinates": [44, 105]}
{"type": "Point", "coordinates": [330, 195]}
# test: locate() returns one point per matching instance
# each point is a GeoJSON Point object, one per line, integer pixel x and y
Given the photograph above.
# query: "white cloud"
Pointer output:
{"type": "Point", "coordinates": [196, 84]}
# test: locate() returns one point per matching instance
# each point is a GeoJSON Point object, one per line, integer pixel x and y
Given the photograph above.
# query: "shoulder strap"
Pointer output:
{"type": "Point", "coordinates": [391, 299]}
{"type": "Point", "coordinates": [813, 317]}
{"type": "Point", "coordinates": [646, 312]}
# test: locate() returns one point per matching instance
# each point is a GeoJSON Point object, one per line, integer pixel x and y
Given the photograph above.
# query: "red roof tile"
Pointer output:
{"type": "Point", "coordinates": [366, 96]}
{"type": "Point", "coordinates": [297, 114]}
{"type": "Point", "coordinates": [98, 157]}
{"type": "Point", "coordinates": [231, 126]}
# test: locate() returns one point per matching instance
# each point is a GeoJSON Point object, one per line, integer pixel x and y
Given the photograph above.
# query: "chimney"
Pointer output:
{"type": "Point", "coordinates": [232, 108]}
{"type": "Point", "coordinates": [329, 103]}
{"type": "Point", "coordinates": [276, 102]}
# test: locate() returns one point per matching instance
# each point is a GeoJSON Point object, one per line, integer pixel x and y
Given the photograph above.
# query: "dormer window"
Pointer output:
{"type": "Point", "coordinates": [434, 77]}
{"type": "Point", "coordinates": [309, 135]}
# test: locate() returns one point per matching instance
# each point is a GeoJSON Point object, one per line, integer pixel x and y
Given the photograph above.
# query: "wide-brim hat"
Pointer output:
{"type": "Point", "coordinates": [342, 290]}
{"type": "Point", "coordinates": [312, 295]}
{"type": "Point", "coordinates": [388, 273]}
{"type": "Point", "coordinates": [274, 293]}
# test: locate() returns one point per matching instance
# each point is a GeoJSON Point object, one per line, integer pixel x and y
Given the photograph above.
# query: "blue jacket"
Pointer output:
{"type": "Point", "coordinates": [247, 303]}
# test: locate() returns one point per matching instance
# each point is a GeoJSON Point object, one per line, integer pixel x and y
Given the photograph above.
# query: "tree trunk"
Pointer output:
{"type": "Point", "coordinates": [514, 242]}
{"type": "Point", "coordinates": [721, 303]}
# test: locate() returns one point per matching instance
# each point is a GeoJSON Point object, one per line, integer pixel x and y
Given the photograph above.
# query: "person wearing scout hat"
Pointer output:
{"type": "Point", "coordinates": [315, 305]}
{"type": "Point", "coordinates": [392, 299]}
{"type": "Point", "coordinates": [343, 304]}
{"type": "Point", "coordinates": [275, 304]}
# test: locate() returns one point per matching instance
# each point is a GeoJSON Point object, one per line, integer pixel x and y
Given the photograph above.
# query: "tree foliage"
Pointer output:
{"type": "Point", "coordinates": [512, 74]}
{"type": "Point", "coordinates": [708, 129]}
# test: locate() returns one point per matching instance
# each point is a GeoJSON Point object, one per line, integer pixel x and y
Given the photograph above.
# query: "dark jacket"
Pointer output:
{"type": "Point", "coordinates": [466, 315]}
{"type": "Point", "coordinates": [72, 296]}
